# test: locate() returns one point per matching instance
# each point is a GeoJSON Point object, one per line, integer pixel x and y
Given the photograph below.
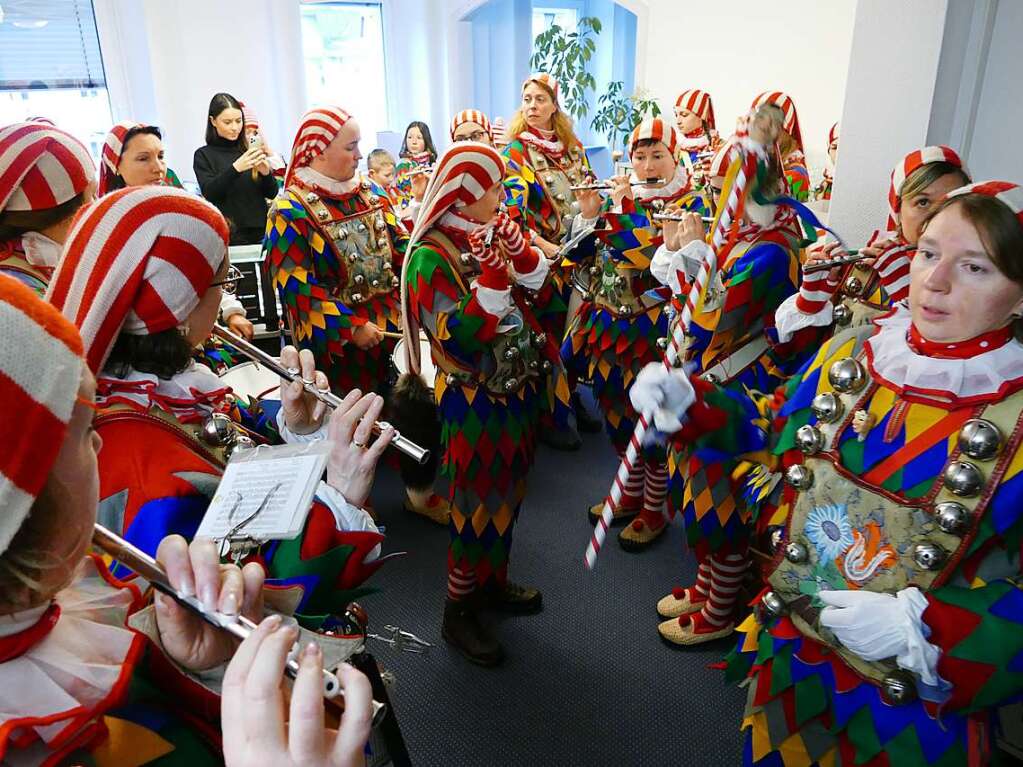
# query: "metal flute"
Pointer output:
{"type": "Point", "coordinates": [820, 266]}
{"type": "Point", "coordinates": [679, 217]}
{"type": "Point", "coordinates": [610, 185]}
{"type": "Point", "coordinates": [254, 353]}
{"type": "Point", "coordinates": [237, 625]}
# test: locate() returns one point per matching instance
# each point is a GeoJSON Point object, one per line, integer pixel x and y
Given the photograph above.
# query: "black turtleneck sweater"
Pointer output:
{"type": "Point", "coordinates": [239, 198]}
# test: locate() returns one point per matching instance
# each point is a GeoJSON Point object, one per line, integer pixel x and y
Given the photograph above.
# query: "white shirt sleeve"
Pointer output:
{"type": "Point", "coordinates": [666, 264]}
{"type": "Point", "coordinates": [230, 306]}
{"type": "Point", "coordinates": [535, 279]}
{"type": "Point", "coordinates": [299, 439]}
{"type": "Point", "coordinates": [495, 302]}
{"type": "Point", "coordinates": [788, 320]}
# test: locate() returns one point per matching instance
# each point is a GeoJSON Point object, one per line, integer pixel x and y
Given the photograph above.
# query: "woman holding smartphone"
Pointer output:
{"type": "Point", "coordinates": [233, 175]}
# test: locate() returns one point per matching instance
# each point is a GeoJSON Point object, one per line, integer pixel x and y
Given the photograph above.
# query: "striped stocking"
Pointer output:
{"type": "Point", "coordinates": [700, 590]}
{"type": "Point", "coordinates": [727, 572]}
{"type": "Point", "coordinates": [632, 494]}
{"type": "Point", "coordinates": [461, 583]}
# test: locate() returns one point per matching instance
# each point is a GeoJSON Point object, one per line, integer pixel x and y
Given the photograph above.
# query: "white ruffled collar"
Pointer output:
{"type": "Point", "coordinates": [190, 395]}
{"type": "Point", "coordinates": [674, 188]}
{"type": "Point", "coordinates": [986, 377]}
{"type": "Point", "coordinates": [79, 670]}
{"type": "Point", "coordinates": [693, 143]}
{"type": "Point", "coordinates": [555, 148]}
{"type": "Point", "coordinates": [40, 250]}
{"type": "Point", "coordinates": [331, 187]}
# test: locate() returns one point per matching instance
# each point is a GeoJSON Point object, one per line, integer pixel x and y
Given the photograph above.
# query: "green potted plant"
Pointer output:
{"type": "Point", "coordinates": [565, 56]}
{"type": "Point", "coordinates": [618, 114]}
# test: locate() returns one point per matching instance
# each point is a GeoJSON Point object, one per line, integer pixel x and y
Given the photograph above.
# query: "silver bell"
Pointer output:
{"type": "Point", "coordinates": [559, 197]}
{"type": "Point", "coordinates": [360, 228]}
{"type": "Point", "coordinates": [450, 379]}
{"type": "Point", "coordinates": [951, 517]}
{"type": "Point", "coordinates": [374, 283]}
{"type": "Point", "coordinates": [465, 258]}
{"type": "Point", "coordinates": [777, 538]}
{"type": "Point", "coordinates": [796, 553]}
{"type": "Point", "coordinates": [512, 353]}
{"type": "Point", "coordinates": [322, 214]}
{"type": "Point", "coordinates": [395, 283]}
{"type": "Point", "coordinates": [312, 197]}
{"type": "Point", "coordinates": [374, 199]}
{"type": "Point", "coordinates": [657, 205]}
{"type": "Point", "coordinates": [799, 477]}
{"type": "Point", "coordinates": [827, 407]}
{"type": "Point", "coordinates": [357, 298]}
{"type": "Point", "coordinates": [980, 439]}
{"type": "Point", "coordinates": [842, 315]}
{"type": "Point", "coordinates": [359, 279]}
{"type": "Point", "coordinates": [539, 339]}
{"type": "Point", "coordinates": [899, 687]}
{"type": "Point", "coordinates": [218, 430]}
{"type": "Point", "coordinates": [511, 384]}
{"type": "Point", "coordinates": [594, 271]}
{"type": "Point", "coordinates": [242, 442]}
{"type": "Point", "coordinates": [624, 311]}
{"type": "Point", "coordinates": [547, 366]}
{"type": "Point", "coordinates": [928, 556]}
{"type": "Point", "coordinates": [963, 479]}
{"type": "Point", "coordinates": [662, 343]}
{"type": "Point", "coordinates": [773, 604]}
{"type": "Point", "coordinates": [380, 224]}
{"type": "Point", "coordinates": [853, 286]}
{"type": "Point", "coordinates": [621, 281]}
{"type": "Point", "coordinates": [353, 257]}
{"type": "Point", "coordinates": [847, 376]}
{"type": "Point", "coordinates": [534, 365]}
{"type": "Point", "coordinates": [549, 179]}
{"type": "Point", "coordinates": [809, 439]}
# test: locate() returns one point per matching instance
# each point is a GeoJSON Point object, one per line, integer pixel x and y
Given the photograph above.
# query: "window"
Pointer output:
{"type": "Point", "coordinates": [544, 18]}
{"type": "Point", "coordinates": [51, 67]}
{"type": "Point", "coordinates": [343, 47]}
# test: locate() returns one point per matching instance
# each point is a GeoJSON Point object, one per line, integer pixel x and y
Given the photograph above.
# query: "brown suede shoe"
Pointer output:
{"type": "Point", "coordinates": [463, 631]}
{"type": "Point", "coordinates": [512, 598]}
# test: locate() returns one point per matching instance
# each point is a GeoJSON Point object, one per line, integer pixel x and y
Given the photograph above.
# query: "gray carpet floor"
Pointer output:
{"type": "Point", "coordinates": [587, 681]}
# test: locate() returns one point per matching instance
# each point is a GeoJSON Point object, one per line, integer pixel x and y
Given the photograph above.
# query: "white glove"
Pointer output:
{"type": "Point", "coordinates": [668, 394]}
{"type": "Point", "coordinates": [877, 626]}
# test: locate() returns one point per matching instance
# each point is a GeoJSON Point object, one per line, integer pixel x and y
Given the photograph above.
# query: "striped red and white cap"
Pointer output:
{"type": "Point", "coordinates": [790, 120]}
{"type": "Point", "coordinates": [40, 372]}
{"type": "Point", "coordinates": [545, 80]}
{"type": "Point", "coordinates": [41, 167]}
{"type": "Point", "coordinates": [471, 116]}
{"type": "Point", "coordinates": [137, 261]}
{"type": "Point", "coordinates": [462, 175]}
{"type": "Point", "coordinates": [699, 102]}
{"type": "Point", "coordinates": [910, 163]}
{"type": "Point", "coordinates": [249, 116]}
{"type": "Point", "coordinates": [1005, 191]}
{"type": "Point", "coordinates": [724, 157]}
{"type": "Point", "coordinates": [654, 129]}
{"type": "Point", "coordinates": [113, 147]}
{"type": "Point", "coordinates": [318, 128]}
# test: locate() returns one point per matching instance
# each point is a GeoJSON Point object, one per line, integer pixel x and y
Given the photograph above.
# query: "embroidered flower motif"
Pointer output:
{"type": "Point", "coordinates": [829, 531]}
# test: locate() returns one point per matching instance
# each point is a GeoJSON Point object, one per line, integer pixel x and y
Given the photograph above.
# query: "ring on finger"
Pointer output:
{"type": "Point", "coordinates": [360, 445]}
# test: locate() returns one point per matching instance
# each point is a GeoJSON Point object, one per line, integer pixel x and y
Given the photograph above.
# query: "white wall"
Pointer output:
{"type": "Point", "coordinates": [737, 49]}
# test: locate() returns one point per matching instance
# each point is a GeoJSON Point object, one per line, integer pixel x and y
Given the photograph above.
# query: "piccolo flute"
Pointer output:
{"type": "Point", "coordinates": [819, 266]}
{"type": "Point", "coordinates": [254, 353]}
{"type": "Point", "coordinates": [680, 217]}
{"type": "Point", "coordinates": [610, 185]}
{"type": "Point", "coordinates": [237, 625]}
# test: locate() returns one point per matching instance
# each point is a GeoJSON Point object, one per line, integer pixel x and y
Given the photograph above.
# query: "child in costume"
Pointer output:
{"type": "Point", "coordinates": [46, 175]}
{"type": "Point", "coordinates": [790, 143]}
{"type": "Point", "coordinates": [463, 283]}
{"type": "Point", "coordinates": [888, 630]}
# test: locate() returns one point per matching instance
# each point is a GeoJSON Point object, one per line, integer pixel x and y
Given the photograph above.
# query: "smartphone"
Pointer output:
{"type": "Point", "coordinates": [255, 140]}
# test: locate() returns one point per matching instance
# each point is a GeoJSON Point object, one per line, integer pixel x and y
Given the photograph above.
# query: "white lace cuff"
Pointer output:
{"type": "Point", "coordinates": [788, 319]}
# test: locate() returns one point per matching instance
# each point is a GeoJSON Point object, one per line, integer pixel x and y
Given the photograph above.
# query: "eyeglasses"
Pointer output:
{"type": "Point", "coordinates": [478, 136]}
{"type": "Point", "coordinates": [230, 283]}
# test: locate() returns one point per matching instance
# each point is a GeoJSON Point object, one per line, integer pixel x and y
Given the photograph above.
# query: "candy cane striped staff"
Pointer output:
{"type": "Point", "coordinates": [727, 216]}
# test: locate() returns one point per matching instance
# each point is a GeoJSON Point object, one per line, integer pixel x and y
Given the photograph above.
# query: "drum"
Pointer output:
{"type": "Point", "coordinates": [252, 381]}
{"type": "Point", "coordinates": [426, 367]}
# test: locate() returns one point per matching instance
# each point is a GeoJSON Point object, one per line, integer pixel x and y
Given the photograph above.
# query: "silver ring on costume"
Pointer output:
{"type": "Point", "coordinates": [309, 381]}
{"type": "Point", "coordinates": [360, 445]}
{"type": "Point", "coordinates": [294, 371]}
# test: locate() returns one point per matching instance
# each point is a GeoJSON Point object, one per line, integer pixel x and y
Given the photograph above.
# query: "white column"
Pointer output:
{"type": "Point", "coordinates": [893, 67]}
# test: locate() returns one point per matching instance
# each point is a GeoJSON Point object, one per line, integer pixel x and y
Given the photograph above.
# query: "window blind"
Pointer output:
{"type": "Point", "coordinates": [49, 44]}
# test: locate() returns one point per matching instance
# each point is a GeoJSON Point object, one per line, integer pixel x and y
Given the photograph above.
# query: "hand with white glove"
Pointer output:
{"type": "Point", "coordinates": [667, 394]}
{"type": "Point", "coordinates": [876, 626]}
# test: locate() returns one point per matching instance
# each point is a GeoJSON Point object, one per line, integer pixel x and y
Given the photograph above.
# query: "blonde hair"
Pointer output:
{"type": "Point", "coordinates": [927, 174]}
{"type": "Point", "coordinates": [562, 122]}
{"type": "Point", "coordinates": [379, 158]}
